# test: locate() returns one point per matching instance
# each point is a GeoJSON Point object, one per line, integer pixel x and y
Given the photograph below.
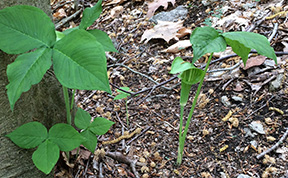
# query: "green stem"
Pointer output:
{"type": "Point", "coordinates": [127, 113]}
{"type": "Point", "coordinates": [182, 137]}
{"type": "Point", "coordinates": [72, 100]}
{"type": "Point", "coordinates": [67, 105]}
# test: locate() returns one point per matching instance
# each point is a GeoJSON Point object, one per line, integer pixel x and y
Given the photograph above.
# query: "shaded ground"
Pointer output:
{"type": "Point", "coordinates": [214, 148]}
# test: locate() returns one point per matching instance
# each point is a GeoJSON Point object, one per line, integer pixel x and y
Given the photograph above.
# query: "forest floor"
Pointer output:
{"type": "Point", "coordinates": [254, 101]}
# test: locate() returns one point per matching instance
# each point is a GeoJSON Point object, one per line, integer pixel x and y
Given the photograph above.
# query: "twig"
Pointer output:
{"type": "Point", "coordinates": [253, 26]}
{"type": "Point", "coordinates": [125, 91]}
{"type": "Point", "coordinates": [274, 32]}
{"type": "Point", "coordinates": [260, 107]}
{"type": "Point", "coordinates": [159, 85]}
{"type": "Point", "coordinates": [274, 146]}
{"type": "Point", "coordinates": [224, 69]}
{"type": "Point", "coordinates": [139, 73]}
{"type": "Point", "coordinates": [58, 5]}
{"type": "Point", "coordinates": [227, 83]}
{"type": "Point", "coordinates": [67, 19]}
{"type": "Point", "coordinates": [147, 95]}
{"type": "Point", "coordinates": [138, 135]}
{"type": "Point", "coordinates": [124, 159]}
{"type": "Point", "coordinates": [101, 170]}
{"type": "Point", "coordinates": [123, 126]}
{"type": "Point", "coordinates": [86, 167]}
{"type": "Point", "coordinates": [136, 131]}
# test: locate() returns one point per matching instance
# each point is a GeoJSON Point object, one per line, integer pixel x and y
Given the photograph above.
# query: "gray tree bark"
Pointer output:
{"type": "Point", "coordinates": [43, 102]}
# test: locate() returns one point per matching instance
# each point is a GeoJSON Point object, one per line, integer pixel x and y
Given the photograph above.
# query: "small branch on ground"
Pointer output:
{"type": "Point", "coordinates": [136, 131]}
{"type": "Point", "coordinates": [67, 19]}
{"type": "Point", "coordinates": [274, 146]}
{"type": "Point", "coordinates": [124, 159]}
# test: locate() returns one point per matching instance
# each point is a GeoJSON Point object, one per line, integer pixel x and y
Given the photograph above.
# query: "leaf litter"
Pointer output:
{"type": "Point", "coordinates": [156, 108]}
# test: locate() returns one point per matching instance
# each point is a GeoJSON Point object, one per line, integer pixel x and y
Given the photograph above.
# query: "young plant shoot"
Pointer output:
{"type": "Point", "coordinates": [123, 95]}
{"type": "Point", "coordinates": [79, 62]}
{"type": "Point", "coordinates": [207, 40]}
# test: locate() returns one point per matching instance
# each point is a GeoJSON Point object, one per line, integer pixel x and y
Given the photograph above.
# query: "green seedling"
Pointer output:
{"type": "Point", "coordinates": [208, 40]}
{"type": "Point", "coordinates": [123, 95]}
{"type": "Point", "coordinates": [79, 62]}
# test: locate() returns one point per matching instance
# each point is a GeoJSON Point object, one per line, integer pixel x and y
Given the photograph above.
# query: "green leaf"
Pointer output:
{"type": "Point", "coordinates": [100, 126]}
{"type": "Point", "coordinates": [122, 94]}
{"type": "Point", "coordinates": [192, 76]}
{"type": "Point", "coordinates": [29, 135]}
{"type": "Point", "coordinates": [65, 136]}
{"type": "Point", "coordinates": [82, 119]}
{"type": "Point", "coordinates": [46, 156]}
{"type": "Point", "coordinates": [179, 65]}
{"type": "Point", "coordinates": [79, 62]}
{"type": "Point", "coordinates": [242, 42]}
{"type": "Point", "coordinates": [59, 35]}
{"type": "Point", "coordinates": [24, 28]}
{"type": "Point", "coordinates": [69, 30]}
{"type": "Point", "coordinates": [90, 15]}
{"type": "Point", "coordinates": [103, 39]}
{"type": "Point", "coordinates": [184, 93]}
{"type": "Point", "coordinates": [91, 140]}
{"type": "Point", "coordinates": [206, 40]}
{"type": "Point", "coordinates": [27, 70]}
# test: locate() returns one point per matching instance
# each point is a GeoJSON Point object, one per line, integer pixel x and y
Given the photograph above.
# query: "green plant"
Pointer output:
{"type": "Point", "coordinates": [217, 13]}
{"type": "Point", "coordinates": [208, 40]}
{"type": "Point", "coordinates": [79, 62]}
{"type": "Point", "coordinates": [123, 95]}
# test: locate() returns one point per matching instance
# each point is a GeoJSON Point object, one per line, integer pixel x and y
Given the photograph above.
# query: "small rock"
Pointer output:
{"type": "Point", "coordinates": [152, 164]}
{"type": "Point", "coordinates": [144, 169]}
{"type": "Point", "coordinates": [257, 126]}
{"type": "Point", "coordinates": [254, 143]}
{"type": "Point", "coordinates": [270, 139]}
{"type": "Point", "coordinates": [172, 16]}
{"type": "Point", "coordinates": [237, 98]}
{"type": "Point", "coordinates": [276, 84]}
{"type": "Point", "coordinates": [223, 175]}
{"type": "Point", "coordinates": [243, 176]}
{"type": "Point", "coordinates": [142, 160]}
{"type": "Point", "coordinates": [208, 2]}
{"type": "Point", "coordinates": [268, 121]}
{"type": "Point", "coordinates": [225, 101]}
{"type": "Point", "coordinates": [248, 132]}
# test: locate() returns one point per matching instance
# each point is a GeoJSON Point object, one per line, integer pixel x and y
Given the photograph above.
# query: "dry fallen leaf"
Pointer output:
{"type": "Point", "coordinates": [115, 2]}
{"type": "Point", "coordinates": [153, 6]}
{"type": "Point", "coordinates": [164, 29]}
{"type": "Point", "coordinates": [253, 61]}
{"type": "Point", "coordinates": [180, 45]}
{"type": "Point", "coordinates": [59, 14]}
{"type": "Point", "coordinates": [116, 11]}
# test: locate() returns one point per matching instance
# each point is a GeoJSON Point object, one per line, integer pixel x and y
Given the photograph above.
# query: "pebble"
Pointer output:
{"type": "Point", "coordinates": [237, 98]}
{"type": "Point", "coordinates": [173, 16]}
{"type": "Point", "coordinates": [243, 176]}
{"type": "Point", "coordinates": [257, 126]}
{"type": "Point", "coordinates": [276, 84]}
{"type": "Point", "coordinates": [225, 101]}
{"type": "Point", "coordinates": [248, 132]}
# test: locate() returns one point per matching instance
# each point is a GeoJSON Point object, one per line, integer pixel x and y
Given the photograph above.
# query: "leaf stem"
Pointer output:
{"type": "Point", "coordinates": [72, 100]}
{"type": "Point", "coordinates": [182, 137]}
{"type": "Point", "coordinates": [66, 98]}
{"type": "Point", "coordinates": [127, 113]}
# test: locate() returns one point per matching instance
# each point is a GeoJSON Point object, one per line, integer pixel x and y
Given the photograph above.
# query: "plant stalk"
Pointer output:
{"type": "Point", "coordinates": [127, 113]}
{"type": "Point", "coordinates": [182, 136]}
{"type": "Point", "coordinates": [67, 105]}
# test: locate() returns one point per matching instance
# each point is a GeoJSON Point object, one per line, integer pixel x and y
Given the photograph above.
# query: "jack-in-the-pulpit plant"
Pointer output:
{"type": "Point", "coordinates": [123, 95]}
{"type": "Point", "coordinates": [208, 40]}
{"type": "Point", "coordinates": [79, 62]}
